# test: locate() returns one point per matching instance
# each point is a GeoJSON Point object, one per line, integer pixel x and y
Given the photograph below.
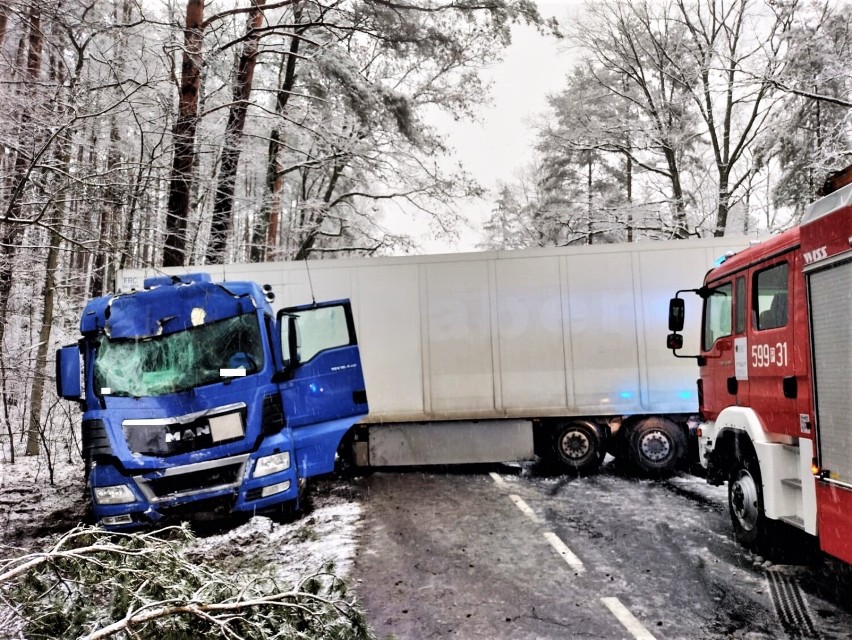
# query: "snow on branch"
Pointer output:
{"type": "Point", "coordinates": [94, 584]}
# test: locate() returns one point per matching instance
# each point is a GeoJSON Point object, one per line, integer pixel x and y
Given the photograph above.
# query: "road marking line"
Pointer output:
{"type": "Point", "coordinates": [567, 555]}
{"type": "Point", "coordinates": [524, 507]}
{"type": "Point", "coordinates": [630, 622]}
{"type": "Point", "coordinates": [497, 479]}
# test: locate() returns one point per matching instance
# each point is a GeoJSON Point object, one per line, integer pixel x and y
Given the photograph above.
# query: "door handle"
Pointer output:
{"type": "Point", "coordinates": [733, 385]}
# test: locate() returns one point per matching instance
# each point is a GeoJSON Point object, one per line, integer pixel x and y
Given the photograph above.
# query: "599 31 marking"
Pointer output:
{"type": "Point", "coordinates": [764, 355]}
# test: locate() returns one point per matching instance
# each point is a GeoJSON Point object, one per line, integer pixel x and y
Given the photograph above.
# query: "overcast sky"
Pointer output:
{"type": "Point", "coordinates": [491, 150]}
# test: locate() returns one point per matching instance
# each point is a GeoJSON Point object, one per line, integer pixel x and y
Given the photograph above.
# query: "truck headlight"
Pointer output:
{"type": "Point", "coordinates": [115, 494]}
{"type": "Point", "coordinates": [271, 464]}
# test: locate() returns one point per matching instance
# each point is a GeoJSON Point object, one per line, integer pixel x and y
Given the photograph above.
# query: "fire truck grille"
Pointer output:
{"type": "Point", "coordinates": [185, 483]}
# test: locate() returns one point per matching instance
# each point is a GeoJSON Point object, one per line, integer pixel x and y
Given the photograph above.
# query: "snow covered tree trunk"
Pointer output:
{"type": "Point", "coordinates": [184, 137]}
{"type": "Point", "coordinates": [223, 202]}
{"type": "Point", "coordinates": [4, 22]}
{"type": "Point", "coordinates": [265, 238]}
{"type": "Point", "coordinates": [44, 344]}
{"type": "Point", "coordinates": [13, 227]}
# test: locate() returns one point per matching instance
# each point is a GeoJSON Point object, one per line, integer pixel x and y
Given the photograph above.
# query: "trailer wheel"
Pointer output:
{"type": "Point", "coordinates": [577, 447]}
{"type": "Point", "coordinates": [745, 500]}
{"type": "Point", "coordinates": [656, 445]}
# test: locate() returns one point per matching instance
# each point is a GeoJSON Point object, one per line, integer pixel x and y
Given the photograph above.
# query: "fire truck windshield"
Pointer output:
{"type": "Point", "coordinates": [177, 361]}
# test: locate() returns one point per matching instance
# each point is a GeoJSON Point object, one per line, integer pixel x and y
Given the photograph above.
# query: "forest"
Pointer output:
{"type": "Point", "coordinates": [174, 133]}
{"type": "Point", "coordinates": [683, 119]}
{"type": "Point", "coordinates": [165, 133]}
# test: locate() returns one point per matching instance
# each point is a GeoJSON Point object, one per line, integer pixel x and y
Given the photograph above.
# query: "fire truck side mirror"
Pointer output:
{"type": "Point", "coordinates": [674, 341]}
{"type": "Point", "coordinates": [676, 315]}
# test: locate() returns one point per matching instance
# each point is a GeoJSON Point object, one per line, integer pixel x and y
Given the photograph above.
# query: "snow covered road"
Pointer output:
{"type": "Point", "coordinates": [473, 554]}
{"type": "Point", "coordinates": [498, 553]}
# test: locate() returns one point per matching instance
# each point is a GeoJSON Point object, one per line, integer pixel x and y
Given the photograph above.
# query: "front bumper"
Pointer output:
{"type": "Point", "coordinates": [706, 453]}
{"type": "Point", "coordinates": [706, 441]}
{"type": "Point", "coordinates": [214, 487]}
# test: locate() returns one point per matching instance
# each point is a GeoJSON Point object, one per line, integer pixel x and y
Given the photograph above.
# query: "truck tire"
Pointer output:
{"type": "Point", "coordinates": [745, 501]}
{"type": "Point", "coordinates": [656, 446]}
{"type": "Point", "coordinates": [577, 447]}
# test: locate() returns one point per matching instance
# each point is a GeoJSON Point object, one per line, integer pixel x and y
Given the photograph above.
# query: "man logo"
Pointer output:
{"type": "Point", "coordinates": [190, 433]}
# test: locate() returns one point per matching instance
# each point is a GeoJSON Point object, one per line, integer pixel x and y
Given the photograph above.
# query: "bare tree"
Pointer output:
{"type": "Point", "coordinates": [731, 58]}
{"type": "Point", "coordinates": [184, 136]}
{"type": "Point", "coordinates": [632, 52]}
{"type": "Point", "coordinates": [808, 136]}
{"type": "Point", "coordinates": [266, 231]}
{"type": "Point", "coordinates": [243, 78]}
{"type": "Point", "coordinates": [12, 224]}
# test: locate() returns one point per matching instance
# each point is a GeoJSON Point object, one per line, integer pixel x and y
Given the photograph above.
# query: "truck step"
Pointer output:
{"type": "Point", "coordinates": [795, 483]}
{"type": "Point", "coordinates": [796, 521]}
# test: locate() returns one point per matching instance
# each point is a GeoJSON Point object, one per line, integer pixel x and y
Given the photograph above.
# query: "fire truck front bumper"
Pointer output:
{"type": "Point", "coordinates": [706, 434]}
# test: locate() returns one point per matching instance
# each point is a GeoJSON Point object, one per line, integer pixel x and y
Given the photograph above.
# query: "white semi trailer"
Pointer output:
{"type": "Point", "coordinates": [509, 355]}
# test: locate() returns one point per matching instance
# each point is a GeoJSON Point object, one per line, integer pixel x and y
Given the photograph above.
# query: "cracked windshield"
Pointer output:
{"type": "Point", "coordinates": [178, 361]}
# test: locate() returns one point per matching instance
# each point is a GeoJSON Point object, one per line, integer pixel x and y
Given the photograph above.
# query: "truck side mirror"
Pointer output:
{"type": "Point", "coordinates": [674, 341]}
{"type": "Point", "coordinates": [676, 314]}
{"type": "Point", "coordinates": [68, 373]}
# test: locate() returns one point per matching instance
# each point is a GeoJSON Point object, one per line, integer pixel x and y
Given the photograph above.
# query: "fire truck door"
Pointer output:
{"type": "Point", "coordinates": [717, 345]}
{"type": "Point", "coordinates": [772, 381]}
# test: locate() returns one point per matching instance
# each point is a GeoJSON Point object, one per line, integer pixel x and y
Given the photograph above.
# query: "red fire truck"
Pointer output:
{"type": "Point", "coordinates": [774, 388]}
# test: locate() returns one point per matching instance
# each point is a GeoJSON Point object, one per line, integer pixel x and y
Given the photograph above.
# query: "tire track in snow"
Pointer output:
{"type": "Point", "coordinates": [790, 605]}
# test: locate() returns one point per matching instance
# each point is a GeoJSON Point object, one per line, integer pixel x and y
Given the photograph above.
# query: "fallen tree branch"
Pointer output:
{"type": "Point", "coordinates": [93, 584]}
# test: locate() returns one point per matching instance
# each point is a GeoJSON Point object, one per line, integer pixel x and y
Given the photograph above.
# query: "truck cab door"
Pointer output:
{"type": "Point", "coordinates": [323, 391]}
{"type": "Point", "coordinates": [774, 376]}
{"type": "Point", "coordinates": [718, 373]}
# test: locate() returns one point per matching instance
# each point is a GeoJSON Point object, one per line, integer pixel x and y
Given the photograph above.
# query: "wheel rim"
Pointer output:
{"type": "Point", "coordinates": [655, 446]}
{"type": "Point", "coordinates": [744, 501]}
{"type": "Point", "coordinates": [575, 445]}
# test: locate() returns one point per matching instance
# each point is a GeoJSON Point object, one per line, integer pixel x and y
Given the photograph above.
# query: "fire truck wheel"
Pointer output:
{"type": "Point", "coordinates": [577, 447]}
{"type": "Point", "coordinates": [745, 500]}
{"type": "Point", "coordinates": [656, 445]}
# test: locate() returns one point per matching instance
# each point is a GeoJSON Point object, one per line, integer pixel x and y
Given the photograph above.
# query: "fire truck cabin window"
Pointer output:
{"type": "Point", "coordinates": [717, 315]}
{"type": "Point", "coordinates": [740, 306]}
{"type": "Point", "coordinates": [770, 297]}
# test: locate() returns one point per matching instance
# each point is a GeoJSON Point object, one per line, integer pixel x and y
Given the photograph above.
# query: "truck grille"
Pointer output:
{"type": "Point", "coordinates": [205, 509]}
{"type": "Point", "coordinates": [95, 440]}
{"type": "Point", "coordinates": [185, 434]}
{"type": "Point", "coordinates": [203, 477]}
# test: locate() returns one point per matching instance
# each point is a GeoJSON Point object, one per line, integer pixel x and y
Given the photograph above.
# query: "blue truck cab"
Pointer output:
{"type": "Point", "coordinates": [198, 399]}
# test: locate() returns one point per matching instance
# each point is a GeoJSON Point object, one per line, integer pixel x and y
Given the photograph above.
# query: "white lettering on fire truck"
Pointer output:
{"type": "Point", "coordinates": [816, 254]}
{"type": "Point", "coordinates": [765, 355]}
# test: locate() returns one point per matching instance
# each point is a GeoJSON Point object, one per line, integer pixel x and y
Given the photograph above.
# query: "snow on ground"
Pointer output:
{"type": "Point", "coordinates": [32, 507]}
{"type": "Point", "coordinates": [323, 539]}
{"type": "Point", "coordinates": [699, 487]}
{"type": "Point", "coordinates": [34, 513]}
